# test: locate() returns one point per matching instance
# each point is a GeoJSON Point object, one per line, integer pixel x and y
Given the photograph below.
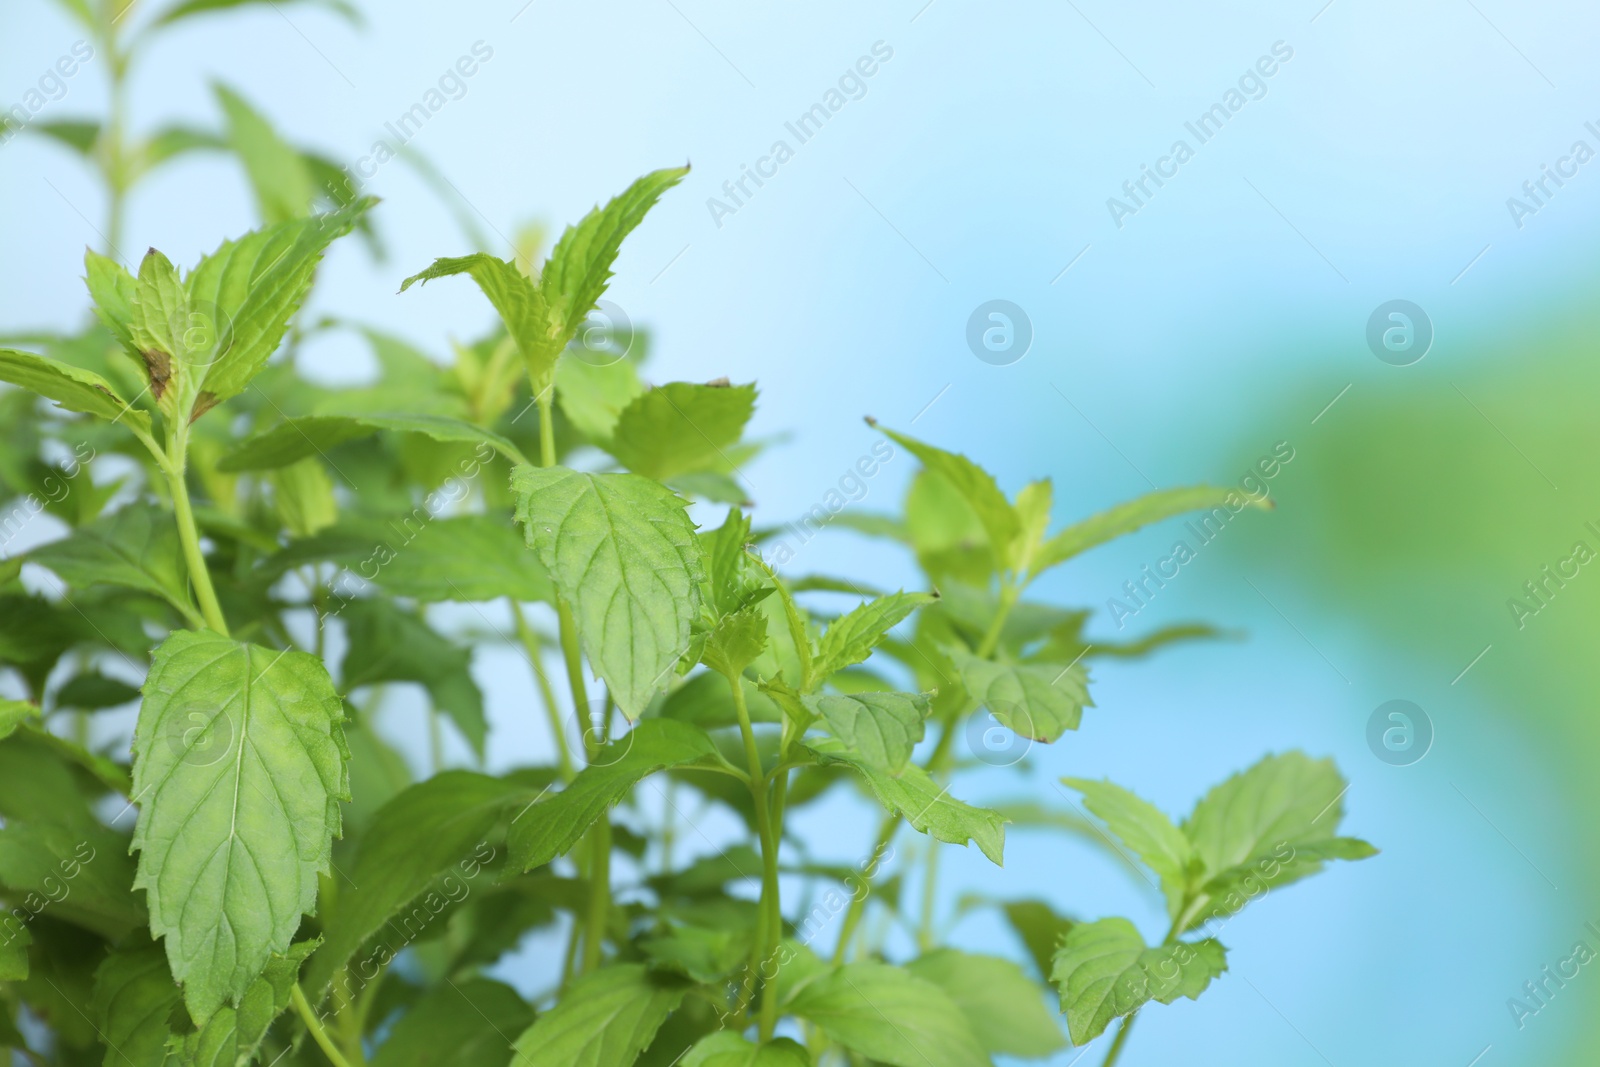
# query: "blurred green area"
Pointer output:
{"type": "Point", "coordinates": [1420, 506]}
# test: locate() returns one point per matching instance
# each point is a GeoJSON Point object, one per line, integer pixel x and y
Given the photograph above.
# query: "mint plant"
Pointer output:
{"type": "Point", "coordinates": [253, 559]}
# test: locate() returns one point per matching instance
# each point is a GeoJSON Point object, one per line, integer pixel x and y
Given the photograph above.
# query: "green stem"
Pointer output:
{"type": "Point", "coordinates": [768, 930]}
{"type": "Point", "coordinates": [930, 886]}
{"type": "Point", "coordinates": [318, 1034]}
{"type": "Point", "coordinates": [937, 762]}
{"type": "Point", "coordinates": [547, 696]}
{"type": "Point", "coordinates": [599, 892]}
{"type": "Point", "coordinates": [189, 534]}
{"type": "Point", "coordinates": [1121, 1039]}
{"type": "Point", "coordinates": [547, 427]}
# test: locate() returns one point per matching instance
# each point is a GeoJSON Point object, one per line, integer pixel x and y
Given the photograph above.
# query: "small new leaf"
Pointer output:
{"type": "Point", "coordinates": [520, 303]}
{"type": "Point", "coordinates": [851, 638]}
{"type": "Point", "coordinates": [975, 485]}
{"type": "Point", "coordinates": [736, 642]}
{"type": "Point", "coordinates": [579, 268]}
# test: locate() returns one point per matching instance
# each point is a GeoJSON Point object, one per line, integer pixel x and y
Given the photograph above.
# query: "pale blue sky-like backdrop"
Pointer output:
{"type": "Point", "coordinates": [975, 164]}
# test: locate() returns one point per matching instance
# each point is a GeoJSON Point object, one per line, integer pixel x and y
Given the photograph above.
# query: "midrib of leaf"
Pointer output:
{"type": "Point", "coordinates": [625, 585]}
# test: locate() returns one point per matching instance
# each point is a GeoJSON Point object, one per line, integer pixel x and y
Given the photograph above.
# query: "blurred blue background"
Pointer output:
{"type": "Point", "coordinates": [1178, 347]}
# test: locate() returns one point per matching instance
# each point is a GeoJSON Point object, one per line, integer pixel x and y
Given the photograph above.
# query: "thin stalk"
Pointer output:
{"type": "Point", "coordinates": [599, 892]}
{"type": "Point", "coordinates": [314, 1025]}
{"type": "Point", "coordinates": [768, 931]}
{"type": "Point", "coordinates": [189, 534]}
{"type": "Point", "coordinates": [547, 427]}
{"type": "Point", "coordinates": [1120, 1040]}
{"type": "Point", "coordinates": [547, 696]}
{"type": "Point", "coordinates": [937, 762]}
{"type": "Point", "coordinates": [930, 887]}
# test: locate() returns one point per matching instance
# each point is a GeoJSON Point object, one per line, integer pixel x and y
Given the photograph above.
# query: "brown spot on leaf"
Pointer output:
{"type": "Point", "coordinates": [720, 383]}
{"type": "Point", "coordinates": [202, 404]}
{"type": "Point", "coordinates": [159, 366]}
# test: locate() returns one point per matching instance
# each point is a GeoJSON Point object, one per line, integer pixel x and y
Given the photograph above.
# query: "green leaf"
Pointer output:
{"type": "Point", "coordinates": [729, 573]}
{"type": "Point", "coordinates": [927, 806]}
{"type": "Point", "coordinates": [74, 389]}
{"type": "Point", "coordinates": [232, 1035]}
{"type": "Point", "coordinates": [92, 691]}
{"type": "Point", "coordinates": [77, 135]}
{"type": "Point", "coordinates": [278, 173]}
{"type": "Point", "coordinates": [881, 729]}
{"type": "Point", "coordinates": [889, 1015]}
{"type": "Point", "coordinates": [1037, 700]}
{"type": "Point", "coordinates": [249, 289]}
{"type": "Point", "coordinates": [302, 494]}
{"type": "Point", "coordinates": [606, 1019]}
{"type": "Point", "coordinates": [429, 832]}
{"type": "Point", "coordinates": [725, 1048]}
{"type": "Point", "coordinates": [296, 438]}
{"type": "Point", "coordinates": [703, 954]}
{"type": "Point", "coordinates": [1003, 1005]}
{"type": "Point", "coordinates": [80, 10]}
{"type": "Point", "coordinates": [851, 638]}
{"type": "Point", "coordinates": [553, 826]}
{"type": "Point", "coordinates": [113, 291]}
{"type": "Point", "coordinates": [468, 558]}
{"type": "Point", "coordinates": [680, 427]}
{"type": "Point", "coordinates": [84, 869]}
{"type": "Point", "coordinates": [1145, 831]}
{"type": "Point", "coordinates": [1105, 972]}
{"type": "Point", "coordinates": [461, 1022]}
{"type": "Point", "coordinates": [136, 548]}
{"type": "Point", "coordinates": [161, 324]}
{"type": "Point", "coordinates": [14, 958]}
{"type": "Point", "coordinates": [1128, 517]}
{"type": "Point", "coordinates": [133, 999]}
{"type": "Point", "coordinates": [974, 484]}
{"type": "Point", "coordinates": [519, 302]}
{"type": "Point", "coordinates": [579, 268]}
{"type": "Point", "coordinates": [622, 552]}
{"type": "Point", "coordinates": [736, 642]}
{"type": "Point", "coordinates": [390, 644]}
{"type": "Point", "coordinates": [794, 655]}
{"type": "Point", "coordinates": [1266, 827]}
{"type": "Point", "coordinates": [593, 396]}
{"type": "Point", "coordinates": [1040, 929]}
{"type": "Point", "coordinates": [13, 713]}
{"type": "Point", "coordinates": [239, 767]}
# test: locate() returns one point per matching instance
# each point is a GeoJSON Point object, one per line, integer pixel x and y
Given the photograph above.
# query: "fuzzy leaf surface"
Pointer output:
{"type": "Point", "coordinates": [239, 767]}
{"type": "Point", "coordinates": [623, 553]}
